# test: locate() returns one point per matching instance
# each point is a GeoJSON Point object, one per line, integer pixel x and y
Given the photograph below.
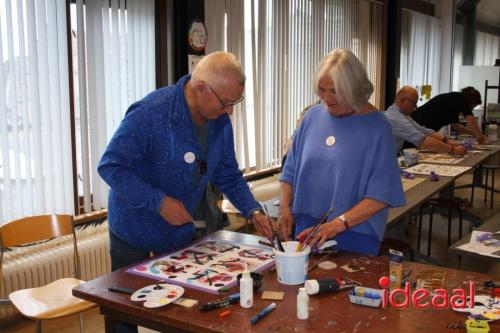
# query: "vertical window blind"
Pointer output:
{"type": "Point", "coordinates": [284, 41]}
{"type": "Point", "coordinates": [420, 50]}
{"type": "Point", "coordinates": [487, 49]}
{"type": "Point", "coordinates": [35, 139]}
{"type": "Point", "coordinates": [115, 61]}
{"type": "Point", "coordinates": [113, 48]}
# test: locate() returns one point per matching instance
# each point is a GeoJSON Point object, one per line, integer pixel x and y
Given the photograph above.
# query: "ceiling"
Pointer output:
{"type": "Point", "coordinates": [488, 11]}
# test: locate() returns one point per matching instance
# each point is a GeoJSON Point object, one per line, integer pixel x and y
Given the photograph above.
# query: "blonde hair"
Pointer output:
{"type": "Point", "coordinates": [217, 67]}
{"type": "Point", "coordinates": [352, 86]}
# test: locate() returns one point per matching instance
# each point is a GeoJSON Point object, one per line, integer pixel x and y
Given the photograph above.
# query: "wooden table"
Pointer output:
{"type": "Point", "coordinates": [491, 225]}
{"type": "Point", "coordinates": [327, 312]}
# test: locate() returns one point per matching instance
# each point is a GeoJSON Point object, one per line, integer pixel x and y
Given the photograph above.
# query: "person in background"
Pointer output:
{"type": "Point", "coordinates": [445, 109]}
{"type": "Point", "coordinates": [342, 157]}
{"type": "Point", "coordinates": [167, 148]}
{"type": "Point", "coordinates": [404, 128]}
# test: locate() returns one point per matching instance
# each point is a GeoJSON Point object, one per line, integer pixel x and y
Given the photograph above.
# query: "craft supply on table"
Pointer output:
{"type": "Point", "coordinates": [273, 295]}
{"type": "Point", "coordinates": [365, 296]}
{"type": "Point", "coordinates": [302, 304]}
{"type": "Point", "coordinates": [210, 265]}
{"type": "Point", "coordinates": [477, 326]}
{"type": "Point", "coordinates": [186, 302]}
{"type": "Point", "coordinates": [224, 314]}
{"type": "Point", "coordinates": [319, 261]}
{"type": "Point", "coordinates": [246, 290]}
{"type": "Point", "coordinates": [220, 303]}
{"type": "Point", "coordinates": [276, 241]}
{"type": "Point", "coordinates": [395, 268]}
{"type": "Point", "coordinates": [263, 313]}
{"type": "Point", "coordinates": [122, 290]}
{"type": "Point", "coordinates": [157, 295]}
{"type": "Point", "coordinates": [327, 265]}
{"type": "Point", "coordinates": [440, 169]}
{"type": "Point", "coordinates": [256, 278]}
{"type": "Point", "coordinates": [429, 279]}
{"type": "Point", "coordinates": [485, 307]}
{"type": "Point", "coordinates": [352, 268]}
{"type": "Point", "coordinates": [319, 286]}
{"type": "Point", "coordinates": [433, 177]}
{"type": "Point", "coordinates": [291, 266]}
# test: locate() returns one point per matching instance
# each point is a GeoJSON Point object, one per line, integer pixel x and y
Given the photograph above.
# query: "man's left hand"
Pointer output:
{"type": "Point", "coordinates": [263, 224]}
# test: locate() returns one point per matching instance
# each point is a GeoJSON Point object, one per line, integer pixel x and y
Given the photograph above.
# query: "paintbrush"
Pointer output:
{"type": "Point", "coordinates": [254, 221]}
{"type": "Point", "coordinates": [276, 235]}
{"type": "Point", "coordinates": [315, 229]}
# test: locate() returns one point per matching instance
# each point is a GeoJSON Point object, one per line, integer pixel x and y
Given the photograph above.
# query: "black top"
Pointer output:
{"type": "Point", "coordinates": [442, 110]}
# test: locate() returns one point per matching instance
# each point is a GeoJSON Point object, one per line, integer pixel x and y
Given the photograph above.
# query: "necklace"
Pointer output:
{"type": "Point", "coordinates": [343, 115]}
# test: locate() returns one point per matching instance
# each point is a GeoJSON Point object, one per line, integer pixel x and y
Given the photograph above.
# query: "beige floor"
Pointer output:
{"type": "Point", "coordinates": [94, 321]}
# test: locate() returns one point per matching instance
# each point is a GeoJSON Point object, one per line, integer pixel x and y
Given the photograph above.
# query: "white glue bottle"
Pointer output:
{"type": "Point", "coordinates": [246, 289]}
{"type": "Point", "coordinates": [302, 304]}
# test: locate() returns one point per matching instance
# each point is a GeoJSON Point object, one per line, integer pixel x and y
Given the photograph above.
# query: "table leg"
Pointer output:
{"type": "Point", "coordinates": [109, 324]}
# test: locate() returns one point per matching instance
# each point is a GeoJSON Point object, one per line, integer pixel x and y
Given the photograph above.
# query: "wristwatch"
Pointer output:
{"type": "Point", "coordinates": [343, 219]}
{"type": "Point", "coordinates": [257, 211]}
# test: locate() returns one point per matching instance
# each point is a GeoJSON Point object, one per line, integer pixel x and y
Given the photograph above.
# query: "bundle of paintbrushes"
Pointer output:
{"type": "Point", "coordinates": [275, 241]}
{"type": "Point", "coordinates": [315, 230]}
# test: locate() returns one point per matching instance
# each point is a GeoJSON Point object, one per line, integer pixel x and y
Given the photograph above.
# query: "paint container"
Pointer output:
{"type": "Point", "coordinates": [395, 268]}
{"type": "Point", "coordinates": [291, 266]}
{"type": "Point", "coordinates": [411, 156]}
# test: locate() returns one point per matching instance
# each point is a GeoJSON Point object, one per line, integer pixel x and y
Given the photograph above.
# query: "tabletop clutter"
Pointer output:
{"type": "Point", "coordinates": [292, 268]}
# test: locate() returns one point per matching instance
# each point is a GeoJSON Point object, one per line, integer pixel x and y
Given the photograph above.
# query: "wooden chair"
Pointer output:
{"type": "Point", "coordinates": [55, 299]}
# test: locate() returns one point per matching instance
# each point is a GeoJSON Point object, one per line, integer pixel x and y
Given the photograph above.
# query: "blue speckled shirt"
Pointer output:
{"type": "Point", "coordinates": [361, 163]}
{"type": "Point", "coordinates": [145, 160]}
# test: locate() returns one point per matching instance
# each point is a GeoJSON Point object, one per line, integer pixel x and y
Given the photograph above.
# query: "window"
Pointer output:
{"type": "Point", "coordinates": [420, 50]}
{"type": "Point", "coordinates": [35, 135]}
{"type": "Point", "coordinates": [280, 44]}
{"type": "Point", "coordinates": [113, 65]}
{"type": "Point", "coordinates": [113, 48]}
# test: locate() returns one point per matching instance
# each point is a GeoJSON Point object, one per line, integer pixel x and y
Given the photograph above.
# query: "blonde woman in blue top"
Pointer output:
{"type": "Point", "coordinates": [343, 157]}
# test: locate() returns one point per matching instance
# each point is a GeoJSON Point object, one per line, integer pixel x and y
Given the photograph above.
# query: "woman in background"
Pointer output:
{"type": "Point", "coordinates": [342, 157]}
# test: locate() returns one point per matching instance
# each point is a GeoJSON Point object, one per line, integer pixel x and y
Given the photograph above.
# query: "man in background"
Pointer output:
{"type": "Point", "coordinates": [445, 109]}
{"type": "Point", "coordinates": [404, 128]}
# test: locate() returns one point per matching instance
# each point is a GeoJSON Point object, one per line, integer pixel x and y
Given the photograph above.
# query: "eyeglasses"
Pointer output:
{"type": "Point", "coordinates": [413, 103]}
{"type": "Point", "coordinates": [225, 104]}
{"type": "Point", "coordinates": [203, 167]}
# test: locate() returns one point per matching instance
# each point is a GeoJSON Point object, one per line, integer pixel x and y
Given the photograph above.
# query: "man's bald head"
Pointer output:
{"type": "Point", "coordinates": [218, 68]}
{"type": "Point", "coordinates": [406, 99]}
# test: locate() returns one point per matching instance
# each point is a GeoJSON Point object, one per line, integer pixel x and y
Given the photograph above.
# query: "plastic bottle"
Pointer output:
{"type": "Point", "coordinates": [246, 289]}
{"type": "Point", "coordinates": [302, 304]}
{"type": "Point", "coordinates": [318, 286]}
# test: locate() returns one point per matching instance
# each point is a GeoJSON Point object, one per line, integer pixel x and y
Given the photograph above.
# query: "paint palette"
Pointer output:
{"type": "Point", "coordinates": [157, 295]}
{"type": "Point", "coordinates": [486, 306]}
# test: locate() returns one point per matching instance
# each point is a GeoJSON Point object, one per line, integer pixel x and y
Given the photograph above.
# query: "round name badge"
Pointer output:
{"type": "Point", "coordinates": [189, 157]}
{"type": "Point", "coordinates": [330, 141]}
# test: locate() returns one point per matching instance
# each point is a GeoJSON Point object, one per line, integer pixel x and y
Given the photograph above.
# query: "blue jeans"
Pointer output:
{"type": "Point", "coordinates": [123, 255]}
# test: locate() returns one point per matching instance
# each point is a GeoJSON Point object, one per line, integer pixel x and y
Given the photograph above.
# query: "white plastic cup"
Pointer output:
{"type": "Point", "coordinates": [291, 266]}
{"type": "Point", "coordinates": [410, 155]}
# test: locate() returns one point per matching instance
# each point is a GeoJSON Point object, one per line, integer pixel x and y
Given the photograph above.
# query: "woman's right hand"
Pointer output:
{"type": "Point", "coordinates": [285, 224]}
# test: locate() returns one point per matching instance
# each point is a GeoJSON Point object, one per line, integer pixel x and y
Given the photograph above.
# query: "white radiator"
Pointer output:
{"type": "Point", "coordinates": [53, 260]}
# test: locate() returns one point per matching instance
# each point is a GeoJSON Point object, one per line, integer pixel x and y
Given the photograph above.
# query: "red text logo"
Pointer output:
{"type": "Point", "coordinates": [399, 298]}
